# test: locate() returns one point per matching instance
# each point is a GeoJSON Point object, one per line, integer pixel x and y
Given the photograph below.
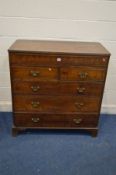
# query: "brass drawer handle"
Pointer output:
{"type": "Point", "coordinates": [79, 105]}
{"type": "Point", "coordinates": [80, 90]}
{"type": "Point", "coordinates": [35, 120]}
{"type": "Point", "coordinates": [35, 73]}
{"type": "Point", "coordinates": [77, 121]}
{"type": "Point", "coordinates": [35, 104]}
{"type": "Point", "coordinates": [35, 88]}
{"type": "Point", "coordinates": [83, 75]}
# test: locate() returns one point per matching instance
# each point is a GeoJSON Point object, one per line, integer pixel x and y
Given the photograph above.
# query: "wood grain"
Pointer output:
{"type": "Point", "coordinates": [28, 73]}
{"type": "Point", "coordinates": [51, 59]}
{"type": "Point", "coordinates": [57, 88]}
{"type": "Point", "coordinates": [74, 73]}
{"type": "Point", "coordinates": [54, 120]}
{"type": "Point", "coordinates": [56, 104]}
{"type": "Point", "coordinates": [83, 48]}
{"type": "Point", "coordinates": [57, 84]}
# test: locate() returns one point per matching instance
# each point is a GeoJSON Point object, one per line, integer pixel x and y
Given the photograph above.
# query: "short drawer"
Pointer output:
{"type": "Point", "coordinates": [55, 103]}
{"type": "Point", "coordinates": [55, 120]}
{"type": "Point", "coordinates": [56, 59]}
{"type": "Point", "coordinates": [83, 74]}
{"type": "Point", "coordinates": [57, 88]}
{"type": "Point", "coordinates": [34, 73]}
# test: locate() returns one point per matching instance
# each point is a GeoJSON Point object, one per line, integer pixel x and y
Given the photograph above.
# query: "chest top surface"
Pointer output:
{"type": "Point", "coordinates": [38, 46]}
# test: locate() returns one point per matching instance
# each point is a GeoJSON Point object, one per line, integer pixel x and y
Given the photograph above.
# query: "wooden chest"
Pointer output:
{"type": "Point", "coordinates": [57, 85]}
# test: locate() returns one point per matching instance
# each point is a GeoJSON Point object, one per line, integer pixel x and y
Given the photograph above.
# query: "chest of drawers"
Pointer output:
{"type": "Point", "coordinates": [57, 85]}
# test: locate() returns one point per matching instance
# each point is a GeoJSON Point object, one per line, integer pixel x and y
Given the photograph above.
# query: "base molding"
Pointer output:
{"type": "Point", "coordinates": [18, 130]}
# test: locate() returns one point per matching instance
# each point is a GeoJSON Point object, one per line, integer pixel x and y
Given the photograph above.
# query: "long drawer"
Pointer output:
{"type": "Point", "coordinates": [57, 59]}
{"type": "Point", "coordinates": [55, 120]}
{"type": "Point", "coordinates": [55, 103]}
{"type": "Point", "coordinates": [57, 88]}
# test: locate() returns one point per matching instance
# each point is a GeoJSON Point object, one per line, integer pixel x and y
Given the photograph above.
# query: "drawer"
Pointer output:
{"type": "Point", "coordinates": [57, 88]}
{"type": "Point", "coordinates": [32, 59]}
{"type": "Point", "coordinates": [83, 60]}
{"type": "Point", "coordinates": [55, 120]}
{"type": "Point", "coordinates": [56, 59]}
{"type": "Point", "coordinates": [83, 74]}
{"type": "Point", "coordinates": [56, 103]}
{"type": "Point", "coordinates": [34, 73]}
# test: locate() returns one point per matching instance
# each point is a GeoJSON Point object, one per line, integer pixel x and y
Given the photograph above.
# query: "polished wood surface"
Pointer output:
{"type": "Point", "coordinates": [87, 48]}
{"type": "Point", "coordinates": [34, 73]}
{"type": "Point", "coordinates": [51, 73]}
{"type": "Point", "coordinates": [52, 59]}
{"type": "Point", "coordinates": [52, 104]}
{"type": "Point", "coordinates": [57, 84]}
{"type": "Point", "coordinates": [55, 120]}
{"type": "Point", "coordinates": [57, 88]}
{"type": "Point", "coordinates": [82, 74]}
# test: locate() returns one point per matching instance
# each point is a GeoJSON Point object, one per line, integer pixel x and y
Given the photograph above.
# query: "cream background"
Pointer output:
{"type": "Point", "coordinates": [78, 20]}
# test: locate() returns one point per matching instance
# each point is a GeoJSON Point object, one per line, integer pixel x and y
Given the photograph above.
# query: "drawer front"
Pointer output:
{"type": "Point", "coordinates": [56, 103]}
{"type": "Point", "coordinates": [57, 88]}
{"type": "Point", "coordinates": [84, 61]}
{"type": "Point", "coordinates": [34, 73]}
{"type": "Point", "coordinates": [56, 59]}
{"type": "Point", "coordinates": [32, 59]}
{"type": "Point", "coordinates": [83, 74]}
{"type": "Point", "coordinates": [55, 120]}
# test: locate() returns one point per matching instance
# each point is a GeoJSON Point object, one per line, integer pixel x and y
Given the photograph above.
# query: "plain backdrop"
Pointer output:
{"type": "Point", "coordinates": [75, 20]}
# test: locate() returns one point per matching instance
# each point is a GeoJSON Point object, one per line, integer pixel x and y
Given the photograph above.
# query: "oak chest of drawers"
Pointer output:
{"type": "Point", "coordinates": [57, 85]}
